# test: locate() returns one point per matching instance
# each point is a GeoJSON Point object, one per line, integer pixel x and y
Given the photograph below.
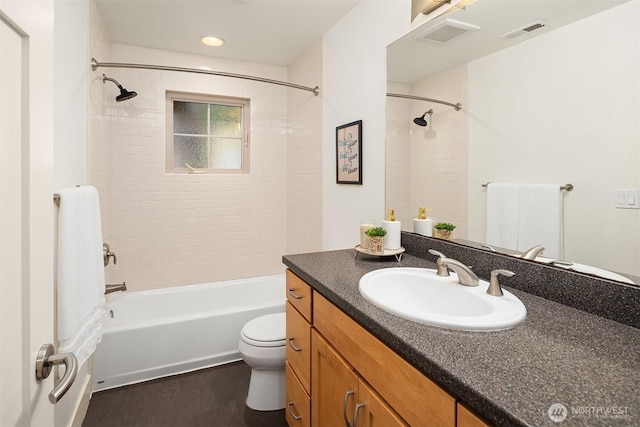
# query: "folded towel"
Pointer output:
{"type": "Point", "coordinates": [520, 216]}
{"type": "Point", "coordinates": [80, 272]}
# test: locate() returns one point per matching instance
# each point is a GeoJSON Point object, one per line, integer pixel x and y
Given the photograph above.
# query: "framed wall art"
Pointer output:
{"type": "Point", "coordinates": [349, 153]}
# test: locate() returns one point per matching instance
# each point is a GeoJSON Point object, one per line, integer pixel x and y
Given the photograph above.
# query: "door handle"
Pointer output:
{"type": "Point", "coordinates": [45, 360]}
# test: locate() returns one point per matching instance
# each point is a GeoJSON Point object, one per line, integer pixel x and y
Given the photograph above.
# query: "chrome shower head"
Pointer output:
{"type": "Point", "coordinates": [124, 94]}
{"type": "Point", "coordinates": [421, 121]}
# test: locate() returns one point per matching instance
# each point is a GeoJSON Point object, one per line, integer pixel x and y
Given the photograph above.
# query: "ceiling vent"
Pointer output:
{"type": "Point", "coordinates": [446, 31]}
{"type": "Point", "coordinates": [524, 30]}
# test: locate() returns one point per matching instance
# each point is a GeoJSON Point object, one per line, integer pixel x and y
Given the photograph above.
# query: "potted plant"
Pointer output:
{"type": "Point", "coordinates": [444, 230]}
{"type": "Point", "coordinates": [376, 239]}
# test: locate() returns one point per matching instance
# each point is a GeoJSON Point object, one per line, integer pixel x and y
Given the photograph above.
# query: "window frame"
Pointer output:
{"type": "Point", "coordinates": [245, 103]}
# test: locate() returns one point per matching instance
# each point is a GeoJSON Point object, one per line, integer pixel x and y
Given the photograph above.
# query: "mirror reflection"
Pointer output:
{"type": "Point", "coordinates": [556, 105]}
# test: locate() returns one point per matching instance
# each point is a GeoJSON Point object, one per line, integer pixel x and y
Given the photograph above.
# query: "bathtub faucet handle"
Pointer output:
{"type": "Point", "coordinates": [106, 254]}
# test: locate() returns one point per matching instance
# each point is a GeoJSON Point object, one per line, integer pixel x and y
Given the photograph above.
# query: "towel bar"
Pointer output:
{"type": "Point", "coordinates": [566, 187]}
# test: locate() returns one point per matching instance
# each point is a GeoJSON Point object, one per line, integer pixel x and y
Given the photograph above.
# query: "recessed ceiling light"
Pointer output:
{"type": "Point", "coordinates": [212, 41]}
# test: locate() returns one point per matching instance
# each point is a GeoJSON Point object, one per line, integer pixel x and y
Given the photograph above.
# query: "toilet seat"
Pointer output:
{"type": "Point", "coordinates": [265, 331]}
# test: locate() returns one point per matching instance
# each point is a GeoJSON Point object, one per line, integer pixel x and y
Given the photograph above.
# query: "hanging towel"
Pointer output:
{"type": "Point", "coordinates": [80, 273]}
{"type": "Point", "coordinates": [520, 216]}
{"type": "Point", "coordinates": [540, 219]}
{"type": "Point", "coordinates": [502, 215]}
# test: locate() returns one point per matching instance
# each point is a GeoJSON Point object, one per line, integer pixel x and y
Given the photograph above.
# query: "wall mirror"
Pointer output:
{"type": "Point", "coordinates": [550, 94]}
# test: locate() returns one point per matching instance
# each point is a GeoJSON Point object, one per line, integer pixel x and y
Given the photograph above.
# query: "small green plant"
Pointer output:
{"type": "Point", "coordinates": [445, 226]}
{"type": "Point", "coordinates": [376, 232]}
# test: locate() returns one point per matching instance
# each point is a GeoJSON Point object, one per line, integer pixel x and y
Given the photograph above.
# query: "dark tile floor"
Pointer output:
{"type": "Point", "coordinates": [211, 397]}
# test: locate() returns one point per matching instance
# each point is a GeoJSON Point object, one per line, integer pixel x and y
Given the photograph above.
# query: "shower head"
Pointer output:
{"type": "Point", "coordinates": [421, 121]}
{"type": "Point", "coordinates": [124, 94]}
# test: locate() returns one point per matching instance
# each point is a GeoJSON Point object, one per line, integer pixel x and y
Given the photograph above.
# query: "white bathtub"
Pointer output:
{"type": "Point", "coordinates": [169, 331]}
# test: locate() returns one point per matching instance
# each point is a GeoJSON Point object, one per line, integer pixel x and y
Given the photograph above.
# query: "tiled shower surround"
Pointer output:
{"type": "Point", "coordinates": [176, 229]}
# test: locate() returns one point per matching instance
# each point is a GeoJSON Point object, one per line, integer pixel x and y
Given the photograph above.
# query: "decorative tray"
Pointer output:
{"type": "Point", "coordinates": [387, 252]}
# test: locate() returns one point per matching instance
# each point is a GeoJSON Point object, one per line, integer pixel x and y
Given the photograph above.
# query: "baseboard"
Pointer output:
{"type": "Point", "coordinates": [83, 403]}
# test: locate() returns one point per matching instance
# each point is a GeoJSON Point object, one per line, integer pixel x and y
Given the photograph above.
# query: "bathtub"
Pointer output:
{"type": "Point", "coordinates": [161, 332]}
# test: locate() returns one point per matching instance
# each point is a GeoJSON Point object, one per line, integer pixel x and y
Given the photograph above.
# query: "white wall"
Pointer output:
{"type": "Point", "coordinates": [70, 92]}
{"type": "Point", "coordinates": [563, 108]}
{"type": "Point", "coordinates": [354, 88]}
{"type": "Point", "coordinates": [304, 155]}
{"type": "Point", "coordinates": [71, 74]}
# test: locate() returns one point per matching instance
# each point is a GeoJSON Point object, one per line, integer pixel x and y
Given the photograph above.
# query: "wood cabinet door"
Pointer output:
{"type": "Point", "coordinates": [334, 385]}
{"type": "Point", "coordinates": [466, 418]}
{"type": "Point", "coordinates": [375, 412]}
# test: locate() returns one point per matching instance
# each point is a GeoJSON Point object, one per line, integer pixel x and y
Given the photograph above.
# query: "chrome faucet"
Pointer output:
{"type": "Point", "coordinates": [465, 275]}
{"type": "Point", "coordinates": [533, 252]}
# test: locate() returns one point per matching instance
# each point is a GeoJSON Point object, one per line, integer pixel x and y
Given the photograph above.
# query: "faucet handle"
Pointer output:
{"type": "Point", "coordinates": [106, 254]}
{"type": "Point", "coordinates": [443, 271]}
{"type": "Point", "coordinates": [494, 284]}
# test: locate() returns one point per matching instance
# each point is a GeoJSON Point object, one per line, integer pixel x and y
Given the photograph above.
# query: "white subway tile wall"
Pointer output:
{"type": "Point", "coordinates": [399, 119]}
{"type": "Point", "coordinates": [439, 152]}
{"type": "Point", "coordinates": [427, 166]}
{"type": "Point", "coordinates": [170, 230]}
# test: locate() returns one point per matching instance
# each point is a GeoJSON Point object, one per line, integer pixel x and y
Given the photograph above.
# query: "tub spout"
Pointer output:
{"type": "Point", "coordinates": [115, 288]}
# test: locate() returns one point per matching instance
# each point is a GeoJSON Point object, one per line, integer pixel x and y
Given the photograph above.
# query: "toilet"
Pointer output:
{"type": "Point", "coordinates": [262, 346]}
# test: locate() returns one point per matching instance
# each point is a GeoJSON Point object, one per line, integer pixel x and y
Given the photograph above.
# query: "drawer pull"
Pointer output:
{"type": "Point", "coordinates": [296, 296]}
{"type": "Point", "coordinates": [355, 413]}
{"type": "Point", "coordinates": [290, 339]}
{"type": "Point", "coordinates": [348, 394]}
{"type": "Point", "coordinates": [295, 417]}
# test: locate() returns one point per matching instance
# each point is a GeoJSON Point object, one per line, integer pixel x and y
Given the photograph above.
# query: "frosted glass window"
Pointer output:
{"type": "Point", "coordinates": [192, 150]}
{"type": "Point", "coordinates": [225, 153]}
{"type": "Point", "coordinates": [207, 134]}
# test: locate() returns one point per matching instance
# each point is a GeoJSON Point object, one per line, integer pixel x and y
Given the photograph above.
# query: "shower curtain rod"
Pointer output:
{"type": "Point", "coordinates": [457, 106]}
{"type": "Point", "coordinates": [95, 65]}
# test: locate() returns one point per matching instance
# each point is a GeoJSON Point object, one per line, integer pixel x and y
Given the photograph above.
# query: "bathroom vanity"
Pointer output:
{"type": "Point", "coordinates": [351, 362]}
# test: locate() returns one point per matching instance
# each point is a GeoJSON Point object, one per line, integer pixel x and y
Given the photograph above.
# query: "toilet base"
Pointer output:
{"type": "Point", "coordinates": [266, 390]}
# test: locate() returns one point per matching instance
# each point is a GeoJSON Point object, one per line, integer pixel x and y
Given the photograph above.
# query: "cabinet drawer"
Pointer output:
{"type": "Point", "coordinates": [416, 398]}
{"type": "Point", "coordinates": [298, 349]}
{"type": "Point", "coordinates": [299, 294]}
{"type": "Point", "coordinates": [298, 410]}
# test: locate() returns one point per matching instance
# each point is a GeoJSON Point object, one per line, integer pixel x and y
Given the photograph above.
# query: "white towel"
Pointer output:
{"type": "Point", "coordinates": [520, 216]}
{"type": "Point", "coordinates": [80, 273]}
{"type": "Point", "coordinates": [502, 215]}
{"type": "Point", "coordinates": [540, 219]}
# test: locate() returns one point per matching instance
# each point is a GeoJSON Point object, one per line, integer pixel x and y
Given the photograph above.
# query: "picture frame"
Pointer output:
{"type": "Point", "coordinates": [349, 153]}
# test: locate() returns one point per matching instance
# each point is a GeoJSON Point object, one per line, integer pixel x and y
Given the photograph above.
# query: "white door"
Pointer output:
{"type": "Point", "coordinates": [26, 208]}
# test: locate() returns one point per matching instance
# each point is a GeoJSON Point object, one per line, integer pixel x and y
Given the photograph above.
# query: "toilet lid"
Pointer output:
{"type": "Point", "coordinates": [265, 331]}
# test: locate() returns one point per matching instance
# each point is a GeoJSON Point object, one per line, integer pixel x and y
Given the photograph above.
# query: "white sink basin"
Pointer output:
{"type": "Point", "coordinates": [420, 295]}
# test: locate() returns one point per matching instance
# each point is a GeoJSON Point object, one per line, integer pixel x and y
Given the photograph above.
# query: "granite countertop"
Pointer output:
{"type": "Point", "coordinates": [558, 355]}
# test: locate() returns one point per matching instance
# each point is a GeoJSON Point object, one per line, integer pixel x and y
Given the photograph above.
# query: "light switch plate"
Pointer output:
{"type": "Point", "coordinates": [628, 198]}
